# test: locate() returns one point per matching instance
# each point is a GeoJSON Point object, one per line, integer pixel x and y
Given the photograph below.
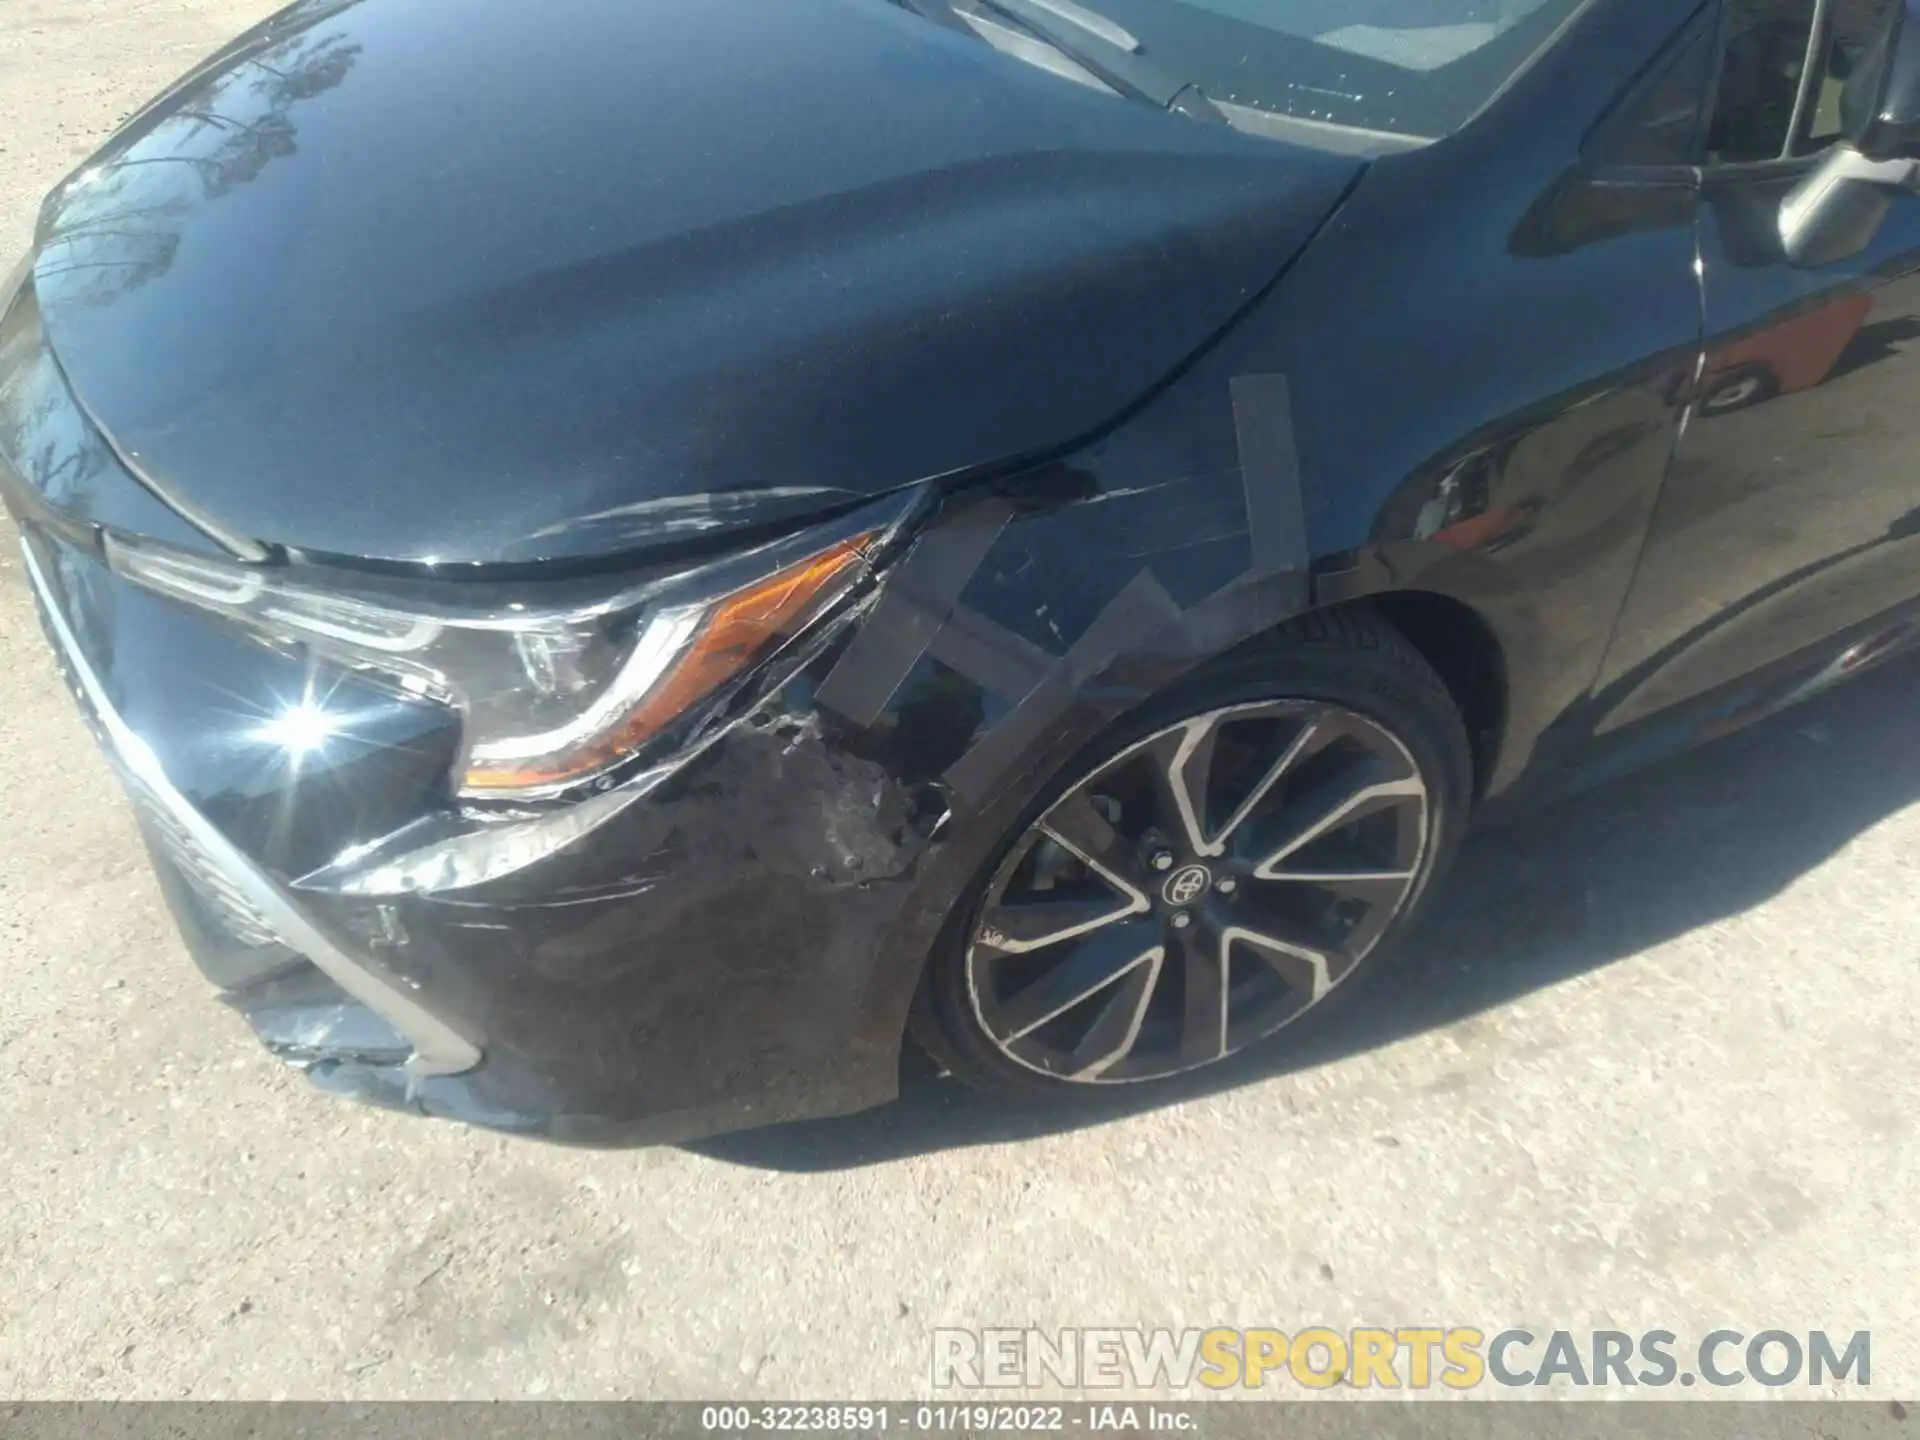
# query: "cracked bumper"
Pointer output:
{"type": "Point", "coordinates": [254, 909]}
{"type": "Point", "coordinates": [699, 952]}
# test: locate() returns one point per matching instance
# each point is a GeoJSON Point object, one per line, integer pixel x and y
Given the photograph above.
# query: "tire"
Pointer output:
{"type": "Point", "coordinates": [1365, 714]}
{"type": "Point", "coordinates": [1740, 389]}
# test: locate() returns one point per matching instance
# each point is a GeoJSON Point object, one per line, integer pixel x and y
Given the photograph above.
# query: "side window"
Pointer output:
{"type": "Point", "coordinates": [1639, 163]}
{"type": "Point", "coordinates": [1762, 62]}
{"type": "Point", "coordinates": [1851, 36]}
{"type": "Point", "coordinates": [1784, 70]}
{"type": "Point", "coordinates": [1659, 124]}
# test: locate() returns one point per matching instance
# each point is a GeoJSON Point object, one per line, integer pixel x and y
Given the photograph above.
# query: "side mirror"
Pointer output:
{"type": "Point", "coordinates": [1837, 210]}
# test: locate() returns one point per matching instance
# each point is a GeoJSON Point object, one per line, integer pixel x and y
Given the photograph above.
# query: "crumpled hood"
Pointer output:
{"type": "Point", "coordinates": [474, 282]}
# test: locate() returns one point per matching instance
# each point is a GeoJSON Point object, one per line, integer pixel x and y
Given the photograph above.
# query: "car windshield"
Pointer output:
{"type": "Point", "coordinates": [1414, 69]}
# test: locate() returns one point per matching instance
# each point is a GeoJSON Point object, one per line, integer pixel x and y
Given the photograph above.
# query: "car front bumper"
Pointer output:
{"type": "Point", "coordinates": [705, 952]}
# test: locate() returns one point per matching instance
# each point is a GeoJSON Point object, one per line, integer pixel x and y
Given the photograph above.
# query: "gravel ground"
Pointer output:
{"type": "Point", "coordinates": [1650, 1066]}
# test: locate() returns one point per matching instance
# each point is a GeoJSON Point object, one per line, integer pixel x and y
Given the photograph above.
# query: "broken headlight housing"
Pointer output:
{"type": "Point", "coordinates": [554, 697]}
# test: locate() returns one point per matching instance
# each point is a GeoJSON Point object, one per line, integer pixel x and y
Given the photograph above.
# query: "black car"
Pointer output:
{"type": "Point", "coordinates": [631, 556]}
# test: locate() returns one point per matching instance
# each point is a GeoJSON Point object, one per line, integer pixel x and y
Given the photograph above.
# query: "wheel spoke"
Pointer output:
{"type": "Point", "coordinates": [1315, 731]}
{"type": "Point", "coordinates": [1182, 760]}
{"type": "Point", "coordinates": [1115, 1031]}
{"type": "Point", "coordinates": [1329, 807]}
{"type": "Point", "coordinates": [1204, 963]}
{"type": "Point", "coordinates": [1093, 962]}
{"type": "Point", "coordinates": [1017, 926]}
{"type": "Point", "coordinates": [1303, 967]}
{"type": "Point", "coordinates": [1077, 826]}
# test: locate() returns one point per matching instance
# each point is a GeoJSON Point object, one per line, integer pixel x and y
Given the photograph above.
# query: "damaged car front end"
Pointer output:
{"type": "Point", "coordinates": [846, 520]}
{"type": "Point", "coordinates": [343, 863]}
{"type": "Point", "coordinates": [710, 912]}
{"type": "Point", "coordinates": [663, 919]}
{"type": "Point", "coordinates": [595, 747]}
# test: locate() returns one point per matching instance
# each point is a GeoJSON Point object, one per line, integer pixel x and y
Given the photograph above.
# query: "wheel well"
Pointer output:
{"type": "Point", "coordinates": [1465, 653]}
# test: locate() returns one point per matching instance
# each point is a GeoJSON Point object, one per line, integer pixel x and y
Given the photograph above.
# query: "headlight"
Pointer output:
{"type": "Point", "coordinates": [552, 697]}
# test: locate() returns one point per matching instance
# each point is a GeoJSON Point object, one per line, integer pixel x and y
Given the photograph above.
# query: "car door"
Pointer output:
{"type": "Point", "coordinates": [1786, 530]}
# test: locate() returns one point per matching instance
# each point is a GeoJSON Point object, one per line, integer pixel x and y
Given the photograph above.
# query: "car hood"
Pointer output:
{"type": "Point", "coordinates": [424, 280]}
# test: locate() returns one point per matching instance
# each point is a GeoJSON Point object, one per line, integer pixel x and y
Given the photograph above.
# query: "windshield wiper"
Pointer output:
{"type": "Point", "coordinates": [1102, 48]}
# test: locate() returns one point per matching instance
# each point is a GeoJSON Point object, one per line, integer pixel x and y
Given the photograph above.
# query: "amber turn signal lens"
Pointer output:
{"type": "Point", "coordinates": [738, 630]}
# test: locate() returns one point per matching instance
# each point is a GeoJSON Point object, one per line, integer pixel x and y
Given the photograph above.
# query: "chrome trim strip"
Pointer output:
{"type": "Point", "coordinates": [437, 1048]}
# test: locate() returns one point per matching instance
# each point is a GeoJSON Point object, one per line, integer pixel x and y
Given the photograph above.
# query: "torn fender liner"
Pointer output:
{"type": "Point", "coordinates": [919, 614]}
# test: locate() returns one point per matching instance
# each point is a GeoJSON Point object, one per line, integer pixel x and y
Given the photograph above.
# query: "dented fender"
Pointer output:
{"type": "Point", "coordinates": [784, 886]}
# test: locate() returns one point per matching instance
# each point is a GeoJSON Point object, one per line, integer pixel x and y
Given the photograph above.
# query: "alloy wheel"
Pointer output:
{"type": "Point", "coordinates": [1198, 891]}
{"type": "Point", "coordinates": [1732, 396]}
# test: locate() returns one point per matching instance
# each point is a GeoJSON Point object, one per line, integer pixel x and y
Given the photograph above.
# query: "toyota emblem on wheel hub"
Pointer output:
{"type": "Point", "coordinates": [1187, 884]}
